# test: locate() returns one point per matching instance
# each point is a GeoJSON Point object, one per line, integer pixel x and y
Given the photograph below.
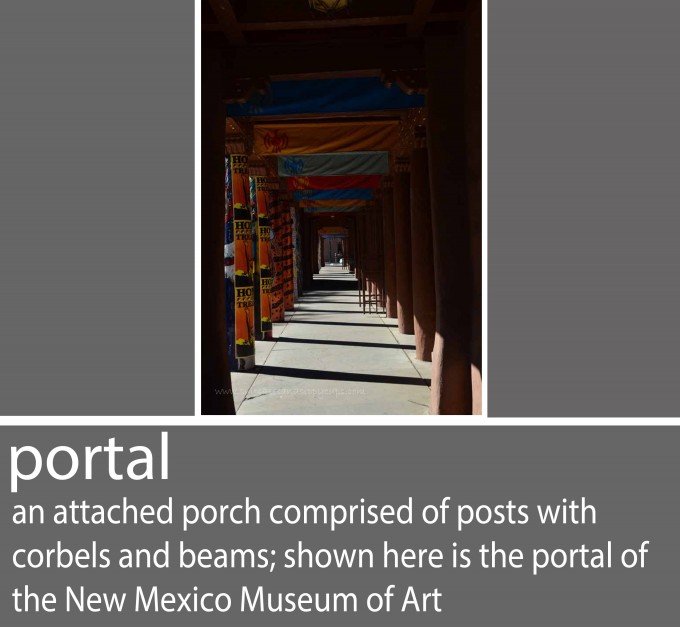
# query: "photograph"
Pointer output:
{"type": "Point", "coordinates": [341, 210]}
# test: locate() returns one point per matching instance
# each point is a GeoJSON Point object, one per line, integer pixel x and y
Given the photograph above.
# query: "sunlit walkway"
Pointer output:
{"type": "Point", "coordinates": [330, 358]}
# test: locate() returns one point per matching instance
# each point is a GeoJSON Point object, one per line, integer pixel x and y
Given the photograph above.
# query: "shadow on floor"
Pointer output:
{"type": "Point", "coordinates": [302, 312]}
{"type": "Point", "coordinates": [301, 373]}
{"type": "Point", "coordinates": [296, 340]}
{"type": "Point", "coordinates": [314, 301]}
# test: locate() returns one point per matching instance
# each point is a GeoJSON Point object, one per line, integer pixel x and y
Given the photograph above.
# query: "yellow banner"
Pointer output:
{"type": "Point", "coordinates": [320, 137]}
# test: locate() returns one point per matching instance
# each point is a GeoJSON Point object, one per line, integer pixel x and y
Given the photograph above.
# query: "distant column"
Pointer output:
{"type": "Point", "coordinates": [361, 258]}
{"type": "Point", "coordinates": [402, 237]}
{"type": "Point", "coordinates": [380, 252]}
{"type": "Point", "coordinates": [307, 251]}
{"type": "Point", "coordinates": [389, 249]}
{"type": "Point", "coordinates": [278, 255]}
{"type": "Point", "coordinates": [424, 300]}
{"type": "Point", "coordinates": [314, 247]}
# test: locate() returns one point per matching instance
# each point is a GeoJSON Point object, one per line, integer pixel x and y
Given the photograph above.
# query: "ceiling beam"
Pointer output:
{"type": "Point", "coordinates": [322, 75]}
{"type": "Point", "coordinates": [391, 20]}
{"type": "Point", "coordinates": [308, 59]}
{"type": "Point", "coordinates": [329, 117]}
{"type": "Point", "coordinates": [446, 16]}
{"type": "Point", "coordinates": [387, 20]}
{"type": "Point", "coordinates": [421, 11]}
{"type": "Point", "coordinates": [228, 22]}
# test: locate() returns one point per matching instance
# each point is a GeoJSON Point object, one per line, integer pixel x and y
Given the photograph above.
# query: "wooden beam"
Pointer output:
{"type": "Point", "coordinates": [421, 11]}
{"type": "Point", "coordinates": [329, 117]}
{"type": "Point", "coordinates": [386, 20]}
{"type": "Point", "coordinates": [300, 59]}
{"type": "Point", "coordinates": [446, 16]}
{"type": "Point", "coordinates": [322, 75]}
{"type": "Point", "coordinates": [392, 20]}
{"type": "Point", "coordinates": [227, 19]}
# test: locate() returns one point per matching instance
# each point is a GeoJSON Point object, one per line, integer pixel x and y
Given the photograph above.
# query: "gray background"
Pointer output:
{"type": "Point", "coordinates": [97, 207]}
{"type": "Point", "coordinates": [583, 222]}
{"type": "Point", "coordinates": [630, 474]}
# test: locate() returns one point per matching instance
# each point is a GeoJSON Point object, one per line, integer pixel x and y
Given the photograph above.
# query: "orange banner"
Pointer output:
{"type": "Point", "coordinates": [240, 188]}
{"type": "Point", "coordinates": [243, 266]}
{"type": "Point", "coordinates": [322, 137]}
{"type": "Point", "coordinates": [356, 181]}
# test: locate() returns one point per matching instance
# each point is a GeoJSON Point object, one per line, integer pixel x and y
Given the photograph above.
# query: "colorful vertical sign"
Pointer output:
{"type": "Point", "coordinates": [277, 240]}
{"type": "Point", "coordinates": [288, 288]}
{"type": "Point", "coordinates": [244, 300]}
{"type": "Point", "coordinates": [263, 204]}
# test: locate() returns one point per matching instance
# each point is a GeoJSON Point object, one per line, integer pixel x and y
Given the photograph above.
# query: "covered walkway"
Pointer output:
{"type": "Point", "coordinates": [341, 231]}
{"type": "Point", "coordinates": [330, 358]}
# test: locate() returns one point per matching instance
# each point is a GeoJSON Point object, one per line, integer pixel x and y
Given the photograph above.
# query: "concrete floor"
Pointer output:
{"type": "Point", "coordinates": [330, 358]}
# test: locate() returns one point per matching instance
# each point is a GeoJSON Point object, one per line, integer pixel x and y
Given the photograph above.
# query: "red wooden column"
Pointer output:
{"type": "Point", "coordinates": [380, 251]}
{"type": "Point", "coordinates": [307, 251]}
{"type": "Point", "coordinates": [424, 300]}
{"type": "Point", "coordinates": [402, 238]}
{"type": "Point", "coordinates": [389, 249]}
{"type": "Point", "coordinates": [369, 251]}
{"type": "Point", "coordinates": [353, 246]}
{"type": "Point", "coordinates": [315, 247]}
{"type": "Point", "coordinates": [361, 250]}
{"type": "Point", "coordinates": [300, 250]}
{"type": "Point", "coordinates": [216, 393]}
{"type": "Point", "coordinates": [376, 255]}
{"type": "Point", "coordinates": [446, 132]}
{"type": "Point", "coordinates": [278, 254]}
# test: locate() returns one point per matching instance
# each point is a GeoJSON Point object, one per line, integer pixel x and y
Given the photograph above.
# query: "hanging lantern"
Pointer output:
{"type": "Point", "coordinates": [329, 7]}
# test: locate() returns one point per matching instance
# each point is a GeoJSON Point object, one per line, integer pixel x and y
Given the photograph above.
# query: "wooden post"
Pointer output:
{"type": "Point", "coordinates": [389, 250]}
{"type": "Point", "coordinates": [451, 364]}
{"type": "Point", "coordinates": [278, 254]}
{"type": "Point", "coordinates": [402, 237]}
{"type": "Point", "coordinates": [216, 390]}
{"type": "Point", "coordinates": [307, 252]}
{"type": "Point", "coordinates": [380, 253]}
{"type": "Point", "coordinates": [424, 300]}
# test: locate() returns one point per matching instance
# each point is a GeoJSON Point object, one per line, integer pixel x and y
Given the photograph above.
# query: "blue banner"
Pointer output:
{"type": "Point", "coordinates": [334, 194]}
{"type": "Point", "coordinates": [332, 95]}
{"type": "Point", "coordinates": [334, 164]}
